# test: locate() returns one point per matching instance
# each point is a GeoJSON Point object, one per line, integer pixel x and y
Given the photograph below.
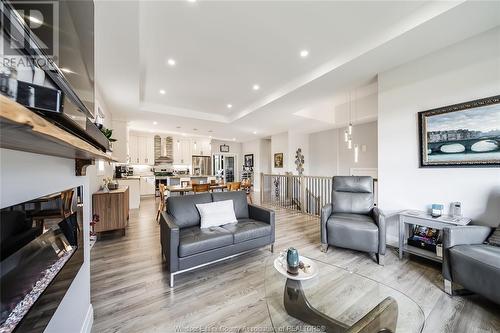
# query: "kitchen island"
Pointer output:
{"type": "Point", "coordinates": [134, 185]}
{"type": "Point", "coordinates": [175, 180]}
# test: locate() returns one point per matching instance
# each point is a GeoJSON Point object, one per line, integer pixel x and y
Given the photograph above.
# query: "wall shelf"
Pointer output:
{"type": "Point", "coordinates": [24, 130]}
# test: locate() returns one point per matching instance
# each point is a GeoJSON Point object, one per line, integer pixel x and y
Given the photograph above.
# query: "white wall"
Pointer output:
{"type": "Point", "coordinates": [234, 149]}
{"type": "Point", "coordinates": [324, 151]}
{"type": "Point", "coordinates": [279, 144]}
{"type": "Point", "coordinates": [330, 156]}
{"type": "Point", "coordinates": [295, 141]}
{"type": "Point", "coordinates": [26, 176]}
{"type": "Point", "coordinates": [253, 147]}
{"type": "Point", "coordinates": [265, 158]}
{"type": "Point", "coordinates": [362, 134]}
{"type": "Point", "coordinates": [463, 72]}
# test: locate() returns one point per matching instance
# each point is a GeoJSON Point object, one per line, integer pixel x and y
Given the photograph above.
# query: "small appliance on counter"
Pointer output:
{"type": "Point", "coordinates": [130, 171]}
{"type": "Point", "coordinates": [456, 209]}
{"type": "Point", "coordinates": [121, 171]}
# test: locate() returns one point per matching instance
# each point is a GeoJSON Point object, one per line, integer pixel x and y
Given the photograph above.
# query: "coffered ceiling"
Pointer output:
{"type": "Point", "coordinates": [193, 67]}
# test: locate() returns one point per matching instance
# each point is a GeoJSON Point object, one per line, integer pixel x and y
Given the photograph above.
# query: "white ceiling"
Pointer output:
{"type": "Point", "coordinates": [222, 48]}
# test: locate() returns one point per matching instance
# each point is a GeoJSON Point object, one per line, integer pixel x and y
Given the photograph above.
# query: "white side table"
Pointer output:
{"type": "Point", "coordinates": [415, 217]}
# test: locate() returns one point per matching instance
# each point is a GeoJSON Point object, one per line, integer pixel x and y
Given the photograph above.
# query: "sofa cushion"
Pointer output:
{"type": "Point", "coordinates": [477, 268]}
{"type": "Point", "coordinates": [354, 231]}
{"type": "Point", "coordinates": [239, 200]}
{"type": "Point", "coordinates": [247, 229]}
{"type": "Point", "coordinates": [183, 208]}
{"type": "Point", "coordinates": [195, 240]}
{"type": "Point", "coordinates": [214, 214]}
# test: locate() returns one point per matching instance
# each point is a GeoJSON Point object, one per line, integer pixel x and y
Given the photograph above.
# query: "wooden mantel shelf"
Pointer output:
{"type": "Point", "coordinates": [22, 129]}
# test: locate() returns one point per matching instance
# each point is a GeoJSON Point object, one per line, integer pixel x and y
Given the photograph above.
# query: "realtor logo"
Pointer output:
{"type": "Point", "coordinates": [42, 20]}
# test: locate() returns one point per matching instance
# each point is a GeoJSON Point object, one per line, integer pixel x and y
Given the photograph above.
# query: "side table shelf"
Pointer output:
{"type": "Point", "coordinates": [407, 218]}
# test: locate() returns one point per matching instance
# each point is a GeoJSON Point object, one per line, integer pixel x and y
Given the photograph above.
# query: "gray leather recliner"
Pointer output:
{"type": "Point", "coordinates": [185, 246]}
{"type": "Point", "coordinates": [351, 220]}
{"type": "Point", "coordinates": [470, 263]}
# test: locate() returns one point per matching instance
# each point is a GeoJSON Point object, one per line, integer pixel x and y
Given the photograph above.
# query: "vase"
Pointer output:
{"type": "Point", "coordinates": [292, 261]}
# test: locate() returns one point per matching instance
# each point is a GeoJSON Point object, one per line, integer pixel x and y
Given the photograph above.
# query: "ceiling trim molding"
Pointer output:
{"type": "Point", "coordinates": [181, 112]}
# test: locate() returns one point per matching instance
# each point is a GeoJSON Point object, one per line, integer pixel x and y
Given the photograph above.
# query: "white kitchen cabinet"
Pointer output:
{"type": "Point", "coordinates": [141, 149]}
{"type": "Point", "coordinates": [134, 190]}
{"type": "Point", "coordinates": [182, 151]}
{"type": "Point", "coordinates": [200, 146]}
{"type": "Point", "coordinates": [133, 149]}
{"type": "Point", "coordinates": [147, 185]}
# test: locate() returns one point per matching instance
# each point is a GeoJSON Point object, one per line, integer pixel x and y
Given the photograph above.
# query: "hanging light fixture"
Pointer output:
{"type": "Point", "coordinates": [346, 136]}
{"type": "Point", "coordinates": [349, 128]}
{"type": "Point", "coordinates": [356, 153]}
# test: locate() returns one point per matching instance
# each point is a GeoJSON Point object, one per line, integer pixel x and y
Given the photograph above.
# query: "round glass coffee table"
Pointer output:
{"type": "Point", "coordinates": [336, 300]}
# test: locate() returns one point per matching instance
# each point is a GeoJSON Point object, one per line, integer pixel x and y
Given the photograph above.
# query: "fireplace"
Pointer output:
{"type": "Point", "coordinates": [41, 251]}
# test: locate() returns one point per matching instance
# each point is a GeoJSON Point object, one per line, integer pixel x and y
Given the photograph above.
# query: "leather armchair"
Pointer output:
{"type": "Point", "coordinates": [351, 220]}
{"type": "Point", "coordinates": [469, 262]}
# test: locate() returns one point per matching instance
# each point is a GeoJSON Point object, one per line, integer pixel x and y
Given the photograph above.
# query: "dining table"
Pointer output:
{"type": "Point", "coordinates": [184, 189]}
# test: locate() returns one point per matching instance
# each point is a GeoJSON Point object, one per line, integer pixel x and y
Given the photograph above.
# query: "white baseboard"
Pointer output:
{"type": "Point", "coordinates": [89, 320]}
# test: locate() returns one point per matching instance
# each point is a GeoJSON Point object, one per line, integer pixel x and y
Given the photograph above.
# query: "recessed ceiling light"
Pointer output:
{"type": "Point", "coordinates": [163, 92]}
{"type": "Point", "coordinates": [229, 106]}
{"type": "Point", "coordinates": [304, 53]}
{"type": "Point", "coordinates": [209, 136]}
{"type": "Point", "coordinates": [191, 0]}
{"type": "Point", "coordinates": [254, 132]}
{"type": "Point", "coordinates": [234, 139]}
{"type": "Point", "coordinates": [256, 87]}
{"type": "Point", "coordinates": [171, 62]}
{"type": "Point", "coordinates": [155, 123]}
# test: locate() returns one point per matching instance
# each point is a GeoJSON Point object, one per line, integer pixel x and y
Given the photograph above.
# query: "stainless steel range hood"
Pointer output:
{"type": "Point", "coordinates": [164, 152]}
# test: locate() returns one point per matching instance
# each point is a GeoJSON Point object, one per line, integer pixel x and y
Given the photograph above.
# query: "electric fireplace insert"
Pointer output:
{"type": "Point", "coordinates": [41, 251]}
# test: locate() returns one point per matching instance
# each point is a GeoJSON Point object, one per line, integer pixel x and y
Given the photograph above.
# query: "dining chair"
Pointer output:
{"type": "Point", "coordinates": [233, 186]}
{"type": "Point", "coordinates": [64, 210]}
{"type": "Point", "coordinates": [161, 205]}
{"type": "Point", "coordinates": [198, 188]}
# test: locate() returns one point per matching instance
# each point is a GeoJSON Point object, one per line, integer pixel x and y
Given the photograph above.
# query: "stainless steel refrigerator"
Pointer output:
{"type": "Point", "coordinates": [202, 166]}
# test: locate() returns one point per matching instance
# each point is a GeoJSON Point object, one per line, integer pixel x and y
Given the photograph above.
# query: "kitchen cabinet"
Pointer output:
{"type": "Point", "coordinates": [141, 150]}
{"type": "Point", "coordinates": [201, 147]}
{"type": "Point", "coordinates": [182, 151]}
{"type": "Point", "coordinates": [147, 185]}
{"type": "Point", "coordinates": [134, 189]}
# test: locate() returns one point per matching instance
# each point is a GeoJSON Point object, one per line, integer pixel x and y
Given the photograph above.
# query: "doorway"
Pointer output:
{"type": "Point", "coordinates": [224, 167]}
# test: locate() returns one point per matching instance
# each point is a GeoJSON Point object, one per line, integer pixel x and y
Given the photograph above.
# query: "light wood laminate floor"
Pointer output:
{"type": "Point", "coordinates": [130, 291]}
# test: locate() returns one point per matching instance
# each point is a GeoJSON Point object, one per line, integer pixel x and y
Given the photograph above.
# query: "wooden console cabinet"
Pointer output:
{"type": "Point", "coordinates": [112, 208]}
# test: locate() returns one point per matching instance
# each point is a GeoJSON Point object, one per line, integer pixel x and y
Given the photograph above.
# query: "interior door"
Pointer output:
{"type": "Point", "coordinates": [229, 168]}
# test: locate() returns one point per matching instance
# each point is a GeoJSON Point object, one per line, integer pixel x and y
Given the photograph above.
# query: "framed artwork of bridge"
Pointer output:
{"type": "Point", "coordinates": [461, 135]}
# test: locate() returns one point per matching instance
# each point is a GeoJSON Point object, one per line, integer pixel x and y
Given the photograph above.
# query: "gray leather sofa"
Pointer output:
{"type": "Point", "coordinates": [351, 220]}
{"type": "Point", "coordinates": [185, 246]}
{"type": "Point", "coordinates": [470, 263]}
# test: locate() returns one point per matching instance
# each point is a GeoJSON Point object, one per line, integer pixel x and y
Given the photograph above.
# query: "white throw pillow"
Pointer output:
{"type": "Point", "coordinates": [214, 214]}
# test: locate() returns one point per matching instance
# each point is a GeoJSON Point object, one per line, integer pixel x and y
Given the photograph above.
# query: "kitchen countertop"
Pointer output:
{"type": "Point", "coordinates": [128, 178]}
{"type": "Point", "coordinates": [186, 176]}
